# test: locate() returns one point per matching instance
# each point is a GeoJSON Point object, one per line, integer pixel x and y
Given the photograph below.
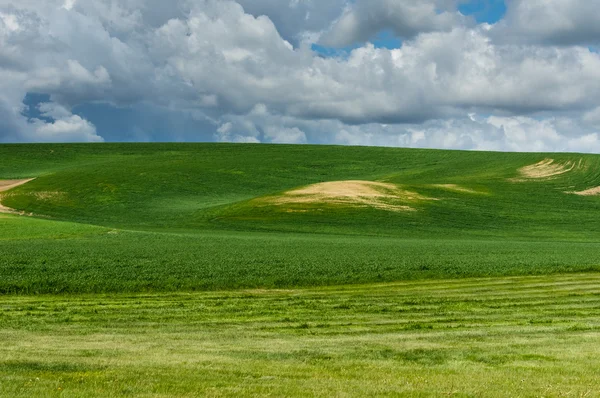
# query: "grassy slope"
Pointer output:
{"type": "Point", "coordinates": [200, 186]}
{"type": "Point", "coordinates": [534, 336]}
{"type": "Point", "coordinates": [172, 217]}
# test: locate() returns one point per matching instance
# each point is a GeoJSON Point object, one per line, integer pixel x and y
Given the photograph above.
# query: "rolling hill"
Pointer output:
{"type": "Point", "coordinates": [205, 216]}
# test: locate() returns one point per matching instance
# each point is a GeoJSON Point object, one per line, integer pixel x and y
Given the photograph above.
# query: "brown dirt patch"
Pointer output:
{"type": "Point", "coordinates": [588, 192]}
{"type": "Point", "coordinates": [6, 185]}
{"type": "Point", "coordinates": [547, 168]}
{"type": "Point", "coordinates": [353, 193]}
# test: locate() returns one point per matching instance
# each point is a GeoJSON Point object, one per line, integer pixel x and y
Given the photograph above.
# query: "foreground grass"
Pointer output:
{"type": "Point", "coordinates": [526, 336]}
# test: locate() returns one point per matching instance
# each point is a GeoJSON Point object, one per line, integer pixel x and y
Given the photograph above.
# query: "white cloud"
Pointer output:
{"type": "Point", "coordinates": [63, 126]}
{"type": "Point", "coordinates": [68, 129]}
{"type": "Point", "coordinates": [284, 135]}
{"type": "Point", "coordinates": [517, 134]}
{"type": "Point", "coordinates": [243, 132]}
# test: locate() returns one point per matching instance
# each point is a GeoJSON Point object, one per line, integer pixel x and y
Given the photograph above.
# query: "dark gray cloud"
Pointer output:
{"type": "Point", "coordinates": [296, 19]}
{"type": "Point", "coordinates": [550, 22]}
{"type": "Point", "coordinates": [362, 20]}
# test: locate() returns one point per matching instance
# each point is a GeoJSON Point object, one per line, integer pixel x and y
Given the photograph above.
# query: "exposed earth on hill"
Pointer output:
{"type": "Point", "coordinates": [6, 185]}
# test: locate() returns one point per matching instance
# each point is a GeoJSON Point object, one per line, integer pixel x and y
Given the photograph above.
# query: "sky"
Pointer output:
{"type": "Point", "coordinates": [503, 75]}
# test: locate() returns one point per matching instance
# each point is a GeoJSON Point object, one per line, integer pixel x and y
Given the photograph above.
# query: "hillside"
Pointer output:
{"type": "Point", "coordinates": [248, 187]}
{"type": "Point", "coordinates": [131, 217]}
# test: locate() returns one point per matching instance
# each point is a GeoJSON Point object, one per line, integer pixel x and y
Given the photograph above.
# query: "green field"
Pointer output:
{"type": "Point", "coordinates": [227, 270]}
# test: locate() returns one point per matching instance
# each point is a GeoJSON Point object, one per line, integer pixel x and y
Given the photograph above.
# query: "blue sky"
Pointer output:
{"type": "Point", "coordinates": [384, 39]}
{"type": "Point", "coordinates": [490, 11]}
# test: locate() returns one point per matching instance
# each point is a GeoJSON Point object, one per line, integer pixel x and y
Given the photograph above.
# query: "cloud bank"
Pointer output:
{"type": "Point", "coordinates": [302, 71]}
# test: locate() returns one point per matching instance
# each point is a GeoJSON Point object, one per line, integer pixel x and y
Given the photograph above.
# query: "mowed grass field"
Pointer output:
{"type": "Point", "coordinates": [228, 270]}
{"type": "Point", "coordinates": [521, 337]}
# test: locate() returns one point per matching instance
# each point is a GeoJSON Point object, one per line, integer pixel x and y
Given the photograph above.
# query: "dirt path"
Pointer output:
{"type": "Point", "coordinates": [6, 185]}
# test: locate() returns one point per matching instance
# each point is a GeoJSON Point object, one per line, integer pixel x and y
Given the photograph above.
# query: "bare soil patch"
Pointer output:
{"type": "Point", "coordinates": [6, 185]}
{"type": "Point", "coordinates": [379, 195]}
{"type": "Point", "coordinates": [547, 168]}
{"type": "Point", "coordinates": [588, 192]}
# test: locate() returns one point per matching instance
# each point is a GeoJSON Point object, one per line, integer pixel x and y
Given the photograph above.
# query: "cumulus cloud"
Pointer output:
{"type": "Point", "coordinates": [593, 117]}
{"type": "Point", "coordinates": [365, 18]}
{"type": "Point", "coordinates": [434, 75]}
{"type": "Point", "coordinates": [22, 50]}
{"type": "Point", "coordinates": [67, 129]}
{"type": "Point", "coordinates": [244, 131]}
{"type": "Point", "coordinates": [551, 22]}
{"type": "Point", "coordinates": [284, 135]}
{"type": "Point", "coordinates": [244, 71]}
{"type": "Point", "coordinates": [494, 133]}
{"type": "Point", "coordinates": [296, 19]}
{"type": "Point", "coordinates": [57, 124]}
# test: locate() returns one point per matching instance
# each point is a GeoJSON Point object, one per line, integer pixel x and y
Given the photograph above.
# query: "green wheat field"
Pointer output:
{"type": "Point", "coordinates": [165, 270]}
